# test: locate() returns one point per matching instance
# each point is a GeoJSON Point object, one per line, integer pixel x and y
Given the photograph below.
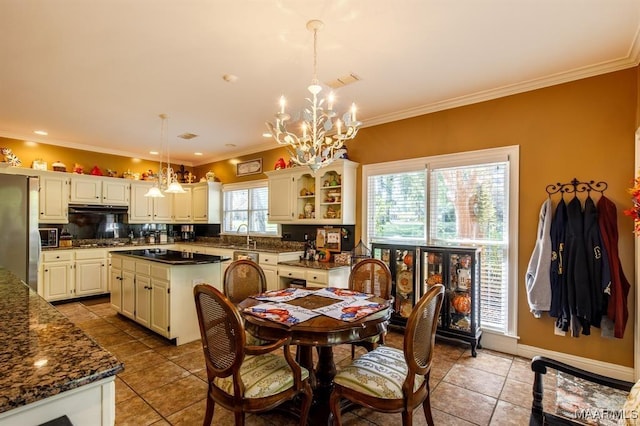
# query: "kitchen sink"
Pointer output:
{"type": "Point", "coordinates": [246, 254]}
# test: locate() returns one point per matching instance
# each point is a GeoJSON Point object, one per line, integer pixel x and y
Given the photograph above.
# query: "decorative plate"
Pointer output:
{"type": "Point", "coordinates": [405, 282]}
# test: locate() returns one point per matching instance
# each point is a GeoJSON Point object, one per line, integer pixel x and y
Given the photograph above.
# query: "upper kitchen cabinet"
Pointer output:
{"type": "Point", "coordinates": [98, 190]}
{"type": "Point", "coordinates": [54, 198]}
{"type": "Point", "coordinates": [206, 202]}
{"type": "Point", "coordinates": [200, 203]}
{"type": "Point", "coordinates": [297, 195]}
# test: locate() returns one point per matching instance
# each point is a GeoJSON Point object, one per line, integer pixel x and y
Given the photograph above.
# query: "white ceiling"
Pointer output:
{"type": "Point", "coordinates": [96, 73]}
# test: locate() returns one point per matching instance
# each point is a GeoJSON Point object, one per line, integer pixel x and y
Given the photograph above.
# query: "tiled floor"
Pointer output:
{"type": "Point", "coordinates": [164, 384]}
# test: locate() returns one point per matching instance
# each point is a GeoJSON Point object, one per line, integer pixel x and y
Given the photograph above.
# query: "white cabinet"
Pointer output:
{"type": "Point", "coordinates": [269, 264]}
{"type": "Point", "coordinates": [206, 203]}
{"type": "Point", "coordinates": [160, 296]}
{"type": "Point", "coordinates": [115, 283]}
{"type": "Point", "coordinates": [54, 198]}
{"type": "Point", "coordinates": [115, 192]}
{"type": "Point", "coordinates": [57, 275]}
{"type": "Point", "coordinates": [149, 209]}
{"type": "Point", "coordinates": [182, 206]}
{"type": "Point", "coordinates": [99, 190]}
{"type": "Point", "coordinates": [90, 272]}
{"type": "Point", "coordinates": [314, 277]}
{"type": "Point", "coordinates": [297, 195]}
{"type": "Point", "coordinates": [280, 196]}
{"type": "Point", "coordinates": [67, 274]}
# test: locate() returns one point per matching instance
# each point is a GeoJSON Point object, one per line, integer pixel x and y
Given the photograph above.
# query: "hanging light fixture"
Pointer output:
{"type": "Point", "coordinates": [166, 176]}
{"type": "Point", "coordinates": [155, 191]}
{"type": "Point", "coordinates": [312, 147]}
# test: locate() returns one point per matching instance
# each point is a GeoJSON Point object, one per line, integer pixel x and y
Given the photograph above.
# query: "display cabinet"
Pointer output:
{"type": "Point", "coordinates": [401, 261]}
{"type": "Point", "coordinates": [458, 269]}
{"type": "Point", "coordinates": [327, 197]}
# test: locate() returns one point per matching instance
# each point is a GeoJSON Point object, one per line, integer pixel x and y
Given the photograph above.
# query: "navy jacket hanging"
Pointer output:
{"type": "Point", "coordinates": [559, 303]}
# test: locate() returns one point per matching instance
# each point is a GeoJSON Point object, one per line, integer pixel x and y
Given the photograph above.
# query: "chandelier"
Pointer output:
{"type": "Point", "coordinates": [312, 146]}
{"type": "Point", "coordinates": [167, 179]}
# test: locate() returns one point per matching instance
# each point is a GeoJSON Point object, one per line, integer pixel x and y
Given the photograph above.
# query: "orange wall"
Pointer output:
{"type": "Point", "coordinates": [582, 129]}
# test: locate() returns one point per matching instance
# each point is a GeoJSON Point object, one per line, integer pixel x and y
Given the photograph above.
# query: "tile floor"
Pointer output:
{"type": "Point", "coordinates": [163, 384]}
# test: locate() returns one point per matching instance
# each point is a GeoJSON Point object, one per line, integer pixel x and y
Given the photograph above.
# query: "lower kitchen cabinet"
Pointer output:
{"type": "Point", "coordinates": [68, 274]}
{"type": "Point", "coordinates": [159, 296]}
{"type": "Point", "coordinates": [293, 272]}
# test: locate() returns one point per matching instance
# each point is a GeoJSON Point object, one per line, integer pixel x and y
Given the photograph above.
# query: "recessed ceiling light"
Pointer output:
{"type": "Point", "coordinates": [230, 78]}
{"type": "Point", "coordinates": [41, 132]}
{"type": "Point", "coordinates": [266, 135]}
{"type": "Point", "coordinates": [197, 153]}
{"type": "Point", "coordinates": [154, 152]}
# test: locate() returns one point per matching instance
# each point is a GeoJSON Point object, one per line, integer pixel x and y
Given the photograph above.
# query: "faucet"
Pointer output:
{"type": "Point", "coordinates": [246, 226]}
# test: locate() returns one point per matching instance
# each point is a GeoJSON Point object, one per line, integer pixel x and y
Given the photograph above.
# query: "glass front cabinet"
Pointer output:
{"type": "Point", "coordinates": [458, 269]}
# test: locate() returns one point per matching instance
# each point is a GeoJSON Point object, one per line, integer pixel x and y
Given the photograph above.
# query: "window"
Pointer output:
{"type": "Point", "coordinates": [458, 199]}
{"type": "Point", "coordinates": [247, 203]}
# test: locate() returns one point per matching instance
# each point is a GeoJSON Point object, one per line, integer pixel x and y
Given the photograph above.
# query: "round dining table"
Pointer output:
{"type": "Point", "coordinates": [321, 332]}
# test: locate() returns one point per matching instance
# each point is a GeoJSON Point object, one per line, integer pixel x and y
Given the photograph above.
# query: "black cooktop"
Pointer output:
{"type": "Point", "coordinates": [173, 257]}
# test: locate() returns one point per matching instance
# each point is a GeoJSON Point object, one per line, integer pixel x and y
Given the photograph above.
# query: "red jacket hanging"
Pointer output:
{"type": "Point", "coordinates": [617, 308]}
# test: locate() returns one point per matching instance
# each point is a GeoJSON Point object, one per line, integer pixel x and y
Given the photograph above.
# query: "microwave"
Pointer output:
{"type": "Point", "coordinates": [48, 237]}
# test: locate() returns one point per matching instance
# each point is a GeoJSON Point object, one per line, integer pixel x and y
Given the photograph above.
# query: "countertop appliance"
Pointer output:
{"type": "Point", "coordinates": [49, 237]}
{"type": "Point", "coordinates": [20, 248]}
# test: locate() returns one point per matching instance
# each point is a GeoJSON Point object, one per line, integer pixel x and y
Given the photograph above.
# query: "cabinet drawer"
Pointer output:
{"type": "Point", "coordinates": [57, 256]}
{"type": "Point", "coordinates": [143, 268]}
{"type": "Point", "coordinates": [90, 254]}
{"type": "Point", "coordinates": [291, 273]}
{"type": "Point", "coordinates": [160, 272]}
{"type": "Point", "coordinates": [270, 259]}
{"type": "Point", "coordinates": [317, 276]}
{"type": "Point", "coordinates": [128, 264]}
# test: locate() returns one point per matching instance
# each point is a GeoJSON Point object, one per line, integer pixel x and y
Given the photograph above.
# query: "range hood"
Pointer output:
{"type": "Point", "coordinates": [97, 209]}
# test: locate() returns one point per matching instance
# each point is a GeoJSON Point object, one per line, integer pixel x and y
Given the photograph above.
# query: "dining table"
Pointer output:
{"type": "Point", "coordinates": [318, 334]}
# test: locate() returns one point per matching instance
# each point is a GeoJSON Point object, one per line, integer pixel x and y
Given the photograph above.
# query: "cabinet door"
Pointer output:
{"type": "Point", "coordinates": [115, 284]}
{"type": "Point", "coordinates": [115, 192]}
{"type": "Point", "coordinates": [128, 294]}
{"type": "Point", "coordinates": [141, 208]}
{"type": "Point", "coordinates": [162, 209]}
{"type": "Point", "coordinates": [54, 199]}
{"type": "Point", "coordinates": [182, 206]}
{"type": "Point", "coordinates": [90, 277]}
{"type": "Point", "coordinates": [143, 299]}
{"type": "Point", "coordinates": [159, 320]}
{"type": "Point", "coordinates": [280, 198]}
{"type": "Point", "coordinates": [206, 202]}
{"type": "Point", "coordinates": [86, 190]}
{"type": "Point", "coordinates": [271, 274]}
{"type": "Point", "coordinates": [58, 281]}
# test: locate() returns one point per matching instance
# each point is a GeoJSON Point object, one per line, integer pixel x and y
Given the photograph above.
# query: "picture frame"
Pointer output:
{"type": "Point", "coordinates": [333, 239]}
{"type": "Point", "coordinates": [249, 167]}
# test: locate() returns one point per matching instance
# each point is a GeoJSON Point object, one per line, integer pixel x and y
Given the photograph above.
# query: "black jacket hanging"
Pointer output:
{"type": "Point", "coordinates": [578, 283]}
{"type": "Point", "coordinates": [559, 304]}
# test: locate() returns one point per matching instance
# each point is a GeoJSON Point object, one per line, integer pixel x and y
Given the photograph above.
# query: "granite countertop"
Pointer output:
{"type": "Point", "coordinates": [173, 257]}
{"type": "Point", "coordinates": [42, 352]}
{"type": "Point", "coordinates": [121, 245]}
{"type": "Point", "coordinates": [313, 264]}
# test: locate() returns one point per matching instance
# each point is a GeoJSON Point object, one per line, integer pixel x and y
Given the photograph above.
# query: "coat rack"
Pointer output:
{"type": "Point", "coordinates": [576, 186]}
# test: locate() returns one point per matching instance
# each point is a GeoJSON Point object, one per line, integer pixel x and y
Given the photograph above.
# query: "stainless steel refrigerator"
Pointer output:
{"type": "Point", "coordinates": [19, 236]}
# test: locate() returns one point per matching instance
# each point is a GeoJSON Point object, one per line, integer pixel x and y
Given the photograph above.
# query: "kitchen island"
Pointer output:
{"type": "Point", "coordinates": [154, 287]}
{"type": "Point", "coordinates": [48, 366]}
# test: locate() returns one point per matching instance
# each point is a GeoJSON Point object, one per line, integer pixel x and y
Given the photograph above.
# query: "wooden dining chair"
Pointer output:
{"type": "Point", "coordinates": [392, 380]}
{"type": "Point", "coordinates": [244, 378]}
{"type": "Point", "coordinates": [374, 277]}
{"type": "Point", "coordinates": [243, 278]}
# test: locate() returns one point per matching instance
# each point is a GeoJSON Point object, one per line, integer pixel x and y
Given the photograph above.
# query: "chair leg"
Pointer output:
{"type": "Point", "coordinates": [334, 405]}
{"type": "Point", "coordinates": [353, 351]}
{"type": "Point", "coordinates": [307, 397]}
{"type": "Point", "coordinates": [426, 406]}
{"type": "Point", "coordinates": [208, 414]}
{"type": "Point", "coordinates": [407, 417]}
{"type": "Point", "coordinates": [239, 417]}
